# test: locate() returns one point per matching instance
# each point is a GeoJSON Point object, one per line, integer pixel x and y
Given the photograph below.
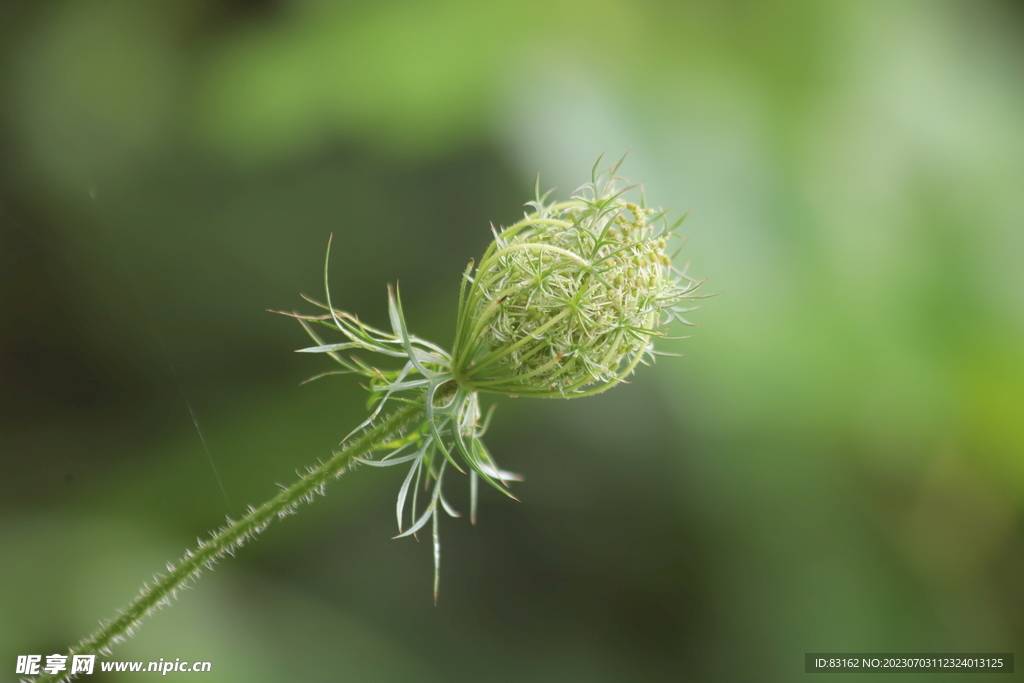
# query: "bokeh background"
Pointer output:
{"type": "Point", "coordinates": [836, 465]}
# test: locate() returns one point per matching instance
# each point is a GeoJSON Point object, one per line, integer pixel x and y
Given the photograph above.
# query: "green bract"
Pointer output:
{"type": "Point", "coordinates": [565, 303]}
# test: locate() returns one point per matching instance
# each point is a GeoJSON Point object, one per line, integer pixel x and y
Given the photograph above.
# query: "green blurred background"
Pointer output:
{"type": "Point", "coordinates": [836, 465]}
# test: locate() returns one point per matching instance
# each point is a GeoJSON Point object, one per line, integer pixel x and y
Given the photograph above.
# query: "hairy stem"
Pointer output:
{"type": "Point", "coordinates": [234, 536]}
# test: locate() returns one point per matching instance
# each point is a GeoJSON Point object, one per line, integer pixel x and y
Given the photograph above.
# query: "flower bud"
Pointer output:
{"type": "Point", "coordinates": [564, 303]}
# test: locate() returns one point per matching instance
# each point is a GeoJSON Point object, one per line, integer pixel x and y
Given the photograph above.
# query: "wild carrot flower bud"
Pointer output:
{"type": "Point", "coordinates": [565, 302]}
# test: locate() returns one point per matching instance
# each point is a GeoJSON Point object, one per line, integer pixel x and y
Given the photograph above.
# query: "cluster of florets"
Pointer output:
{"type": "Point", "coordinates": [569, 297]}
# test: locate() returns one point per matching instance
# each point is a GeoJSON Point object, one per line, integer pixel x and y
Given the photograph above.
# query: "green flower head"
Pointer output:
{"type": "Point", "coordinates": [566, 302]}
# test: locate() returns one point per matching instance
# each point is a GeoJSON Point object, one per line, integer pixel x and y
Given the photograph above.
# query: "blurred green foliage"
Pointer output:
{"type": "Point", "coordinates": [837, 464]}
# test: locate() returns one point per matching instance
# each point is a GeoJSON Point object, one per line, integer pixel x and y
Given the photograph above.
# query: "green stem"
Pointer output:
{"type": "Point", "coordinates": [234, 535]}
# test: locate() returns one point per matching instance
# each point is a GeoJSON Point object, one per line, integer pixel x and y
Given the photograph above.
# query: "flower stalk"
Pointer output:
{"type": "Point", "coordinates": [235, 534]}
